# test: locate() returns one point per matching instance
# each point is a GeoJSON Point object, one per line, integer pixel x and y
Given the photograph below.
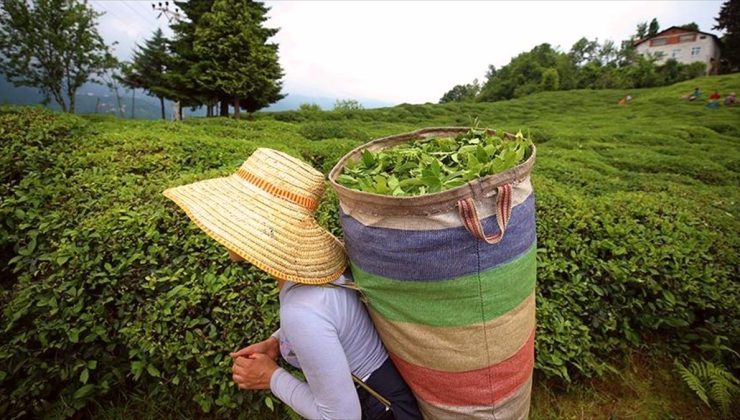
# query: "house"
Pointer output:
{"type": "Point", "coordinates": [683, 45]}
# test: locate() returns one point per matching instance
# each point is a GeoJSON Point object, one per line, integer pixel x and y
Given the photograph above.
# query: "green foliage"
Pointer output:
{"type": "Point", "coordinates": [331, 130]}
{"type": "Point", "coordinates": [434, 164]}
{"type": "Point", "coordinates": [148, 69]}
{"type": "Point", "coordinates": [728, 21]}
{"type": "Point", "coordinates": [234, 55]}
{"type": "Point", "coordinates": [347, 105]}
{"type": "Point", "coordinates": [588, 65]}
{"type": "Point", "coordinates": [710, 382]}
{"type": "Point", "coordinates": [108, 292]}
{"type": "Point", "coordinates": [461, 93]}
{"type": "Point", "coordinates": [310, 108]}
{"type": "Point", "coordinates": [550, 80]}
{"type": "Point", "coordinates": [52, 45]}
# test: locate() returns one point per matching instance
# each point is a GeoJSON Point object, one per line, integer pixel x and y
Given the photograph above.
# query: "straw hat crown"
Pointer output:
{"type": "Point", "coordinates": [264, 213]}
{"type": "Point", "coordinates": [284, 175]}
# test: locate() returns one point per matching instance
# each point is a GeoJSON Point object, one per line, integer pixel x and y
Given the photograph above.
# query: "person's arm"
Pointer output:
{"type": "Point", "coordinates": [329, 392]}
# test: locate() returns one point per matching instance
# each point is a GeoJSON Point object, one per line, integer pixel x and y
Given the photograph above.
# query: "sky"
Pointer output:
{"type": "Point", "coordinates": [415, 51]}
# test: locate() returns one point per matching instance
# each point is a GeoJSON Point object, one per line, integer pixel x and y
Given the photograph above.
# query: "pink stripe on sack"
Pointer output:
{"type": "Point", "coordinates": [470, 388]}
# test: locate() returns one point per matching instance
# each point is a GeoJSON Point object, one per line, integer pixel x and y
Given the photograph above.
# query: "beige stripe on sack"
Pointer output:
{"type": "Point", "coordinates": [431, 347]}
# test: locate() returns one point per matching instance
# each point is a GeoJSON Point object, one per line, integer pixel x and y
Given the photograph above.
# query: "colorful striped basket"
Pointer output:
{"type": "Point", "coordinates": [449, 278]}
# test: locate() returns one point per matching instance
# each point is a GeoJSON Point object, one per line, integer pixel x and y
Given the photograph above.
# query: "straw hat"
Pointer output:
{"type": "Point", "coordinates": [265, 214]}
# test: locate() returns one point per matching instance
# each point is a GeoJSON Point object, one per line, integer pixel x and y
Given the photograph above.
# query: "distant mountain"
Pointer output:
{"type": "Point", "coordinates": [95, 98]}
{"type": "Point", "coordinates": [293, 101]}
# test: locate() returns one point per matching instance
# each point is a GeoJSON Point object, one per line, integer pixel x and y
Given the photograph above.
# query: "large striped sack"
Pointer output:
{"type": "Point", "coordinates": [449, 279]}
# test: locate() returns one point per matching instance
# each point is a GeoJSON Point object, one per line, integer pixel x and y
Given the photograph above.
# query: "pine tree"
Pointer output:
{"type": "Point", "coordinates": [654, 28]}
{"type": "Point", "coordinates": [181, 76]}
{"type": "Point", "coordinates": [729, 22]}
{"type": "Point", "coordinates": [235, 57]}
{"type": "Point", "coordinates": [52, 45]}
{"type": "Point", "coordinates": [148, 69]}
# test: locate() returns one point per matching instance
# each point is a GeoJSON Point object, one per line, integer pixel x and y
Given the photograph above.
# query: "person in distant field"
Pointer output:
{"type": "Point", "coordinates": [730, 99]}
{"type": "Point", "coordinates": [714, 100]}
{"type": "Point", "coordinates": [625, 100]}
{"type": "Point", "coordinates": [694, 95]}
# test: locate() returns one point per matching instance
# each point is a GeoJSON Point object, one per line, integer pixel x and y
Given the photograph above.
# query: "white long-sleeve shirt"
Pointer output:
{"type": "Point", "coordinates": [327, 333]}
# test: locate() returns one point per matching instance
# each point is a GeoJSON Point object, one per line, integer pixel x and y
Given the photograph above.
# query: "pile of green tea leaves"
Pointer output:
{"type": "Point", "coordinates": [434, 164]}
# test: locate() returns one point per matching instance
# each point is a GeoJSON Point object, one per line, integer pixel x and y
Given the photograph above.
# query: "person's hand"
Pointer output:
{"type": "Point", "coordinates": [234, 256]}
{"type": "Point", "coordinates": [270, 347]}
{"type": "Point", "coordinates": [253, 372]}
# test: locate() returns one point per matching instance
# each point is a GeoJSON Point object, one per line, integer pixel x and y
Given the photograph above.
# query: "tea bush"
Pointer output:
{"type": "Point", "coordinates": [109, 291]}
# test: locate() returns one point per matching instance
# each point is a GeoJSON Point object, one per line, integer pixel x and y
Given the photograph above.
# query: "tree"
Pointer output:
{"type": "Point", "coordinates": [52, 45]}
{"type": "Point", "coordinates": [347, 105]}
{"type": "Point", "coordinates": [550, 80]}
{"type": "Point", "coordinates": [584, 51]}
{"type": "Point", "coordinates": [462, 93]}
{"type": "Point", "coordinates": [235, 57]}
{"type": "Point", "coordinates": [182, 74]}
{"type": "Point", "coordinates": [641, 31]}
{"type": "Point", "coordinates": [148, 68]}
{"type": "Point", "coordinates": [653, 28]}
{"type": "Point", "coordinates": [728, 21]}
{"type": "Point", "coordinates": [522, 76]}
{"type": "Point", "coordinates": [691, 27]}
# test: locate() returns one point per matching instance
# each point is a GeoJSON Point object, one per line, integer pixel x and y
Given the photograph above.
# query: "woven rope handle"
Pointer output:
{"type": "Point", "coordinates": [469, 215]}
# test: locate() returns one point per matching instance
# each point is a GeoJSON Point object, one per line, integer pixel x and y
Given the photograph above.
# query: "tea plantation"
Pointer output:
{"type": "Point", "coordinates": [112, 298]}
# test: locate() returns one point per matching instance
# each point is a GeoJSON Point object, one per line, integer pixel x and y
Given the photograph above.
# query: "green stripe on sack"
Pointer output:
{"type": "Point", "coordinates": [450, 303]}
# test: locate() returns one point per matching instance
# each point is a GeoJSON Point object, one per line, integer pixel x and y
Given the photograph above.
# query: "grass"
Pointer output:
{"type": "Point", "coordinates": [645, 388]}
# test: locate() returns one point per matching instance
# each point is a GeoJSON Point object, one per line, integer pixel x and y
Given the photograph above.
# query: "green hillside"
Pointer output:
{"type": "Point", "coordinates": [114, 303]}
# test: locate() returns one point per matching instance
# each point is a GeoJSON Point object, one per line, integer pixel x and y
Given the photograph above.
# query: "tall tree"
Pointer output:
{"type": "Point", "coordinates": [148, 69]}
{"type": "Point", "coordinates": [182, 75]}
{"type": "Point", "coordinates": [641, 30]}
{"type": "Point", "coordinates": [729, 22]}
{"type": "Point", "coordinates": [235, 57]}
{"type": "Point", "coordinates": [52, 45]}
{"type": "Point", "coordinates": [653, 28]}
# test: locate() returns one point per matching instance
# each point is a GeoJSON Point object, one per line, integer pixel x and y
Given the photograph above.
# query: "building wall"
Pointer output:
{"type": "Point", "coordinates": [703, 49]}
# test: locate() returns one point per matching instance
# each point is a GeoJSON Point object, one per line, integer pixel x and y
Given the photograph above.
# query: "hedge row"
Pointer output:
{"type": "Point", "coordinates": [108, 290]}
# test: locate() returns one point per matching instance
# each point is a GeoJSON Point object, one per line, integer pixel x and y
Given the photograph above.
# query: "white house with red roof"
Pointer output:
{"type": "Point", "coordinates": [683, 45]}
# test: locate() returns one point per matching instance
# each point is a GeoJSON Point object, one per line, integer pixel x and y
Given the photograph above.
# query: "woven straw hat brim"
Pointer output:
{"type": "Point", "coordinates": [275, 235]}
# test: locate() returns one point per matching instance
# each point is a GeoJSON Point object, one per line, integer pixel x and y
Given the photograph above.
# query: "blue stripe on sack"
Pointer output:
{"type": "Point", "coordinates": [436, 254]}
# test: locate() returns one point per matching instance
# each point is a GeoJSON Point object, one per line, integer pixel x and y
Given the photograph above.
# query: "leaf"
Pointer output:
{"type": "Point", "coordinates": [153, 371]}
{"type": "Point", "coordinates": [84, 376]}
{"type": "Point", "coordinates": [137, 368]}
{"type": "Point", "coordinates": [84, 392]}
{"type": "Point", "coordinates": [269, 403]}
{"type": "Point", "coordinates": [368, 158]}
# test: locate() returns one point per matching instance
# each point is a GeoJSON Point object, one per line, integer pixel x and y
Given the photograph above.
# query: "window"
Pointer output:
{"type": "Point", "coordinates": [695, 51]}
{"type": "Point", "coordinates": [686, 38]}
{"type": "Point", "coordinates": [659, 41]}
{"type": "Point", "coordinates": [659, 55]}
{"type": "Point", "coordinates": [676, 53]}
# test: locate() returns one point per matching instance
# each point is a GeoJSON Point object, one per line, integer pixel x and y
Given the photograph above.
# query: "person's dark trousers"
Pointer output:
{"type": "Point", "coordinates": [387, 382]}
